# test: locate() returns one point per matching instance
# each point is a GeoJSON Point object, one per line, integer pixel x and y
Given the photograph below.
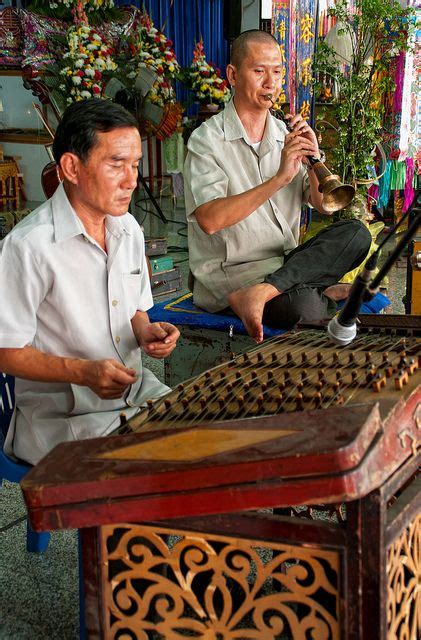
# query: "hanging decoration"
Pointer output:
{"type": "Point", "coordinates": [294, 27]}
{"type": "Point", "coordinates": [306, 41]}
{"type": "Point", "coordinates": [281, 31]}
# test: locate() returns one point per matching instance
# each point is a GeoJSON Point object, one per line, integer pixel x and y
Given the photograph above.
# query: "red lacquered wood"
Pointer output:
{"type": "Point", "coordinates": [57, 496]}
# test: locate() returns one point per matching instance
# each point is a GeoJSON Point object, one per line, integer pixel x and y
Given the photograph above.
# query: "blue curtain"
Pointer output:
{"type": "Point", "coordinates": [184, 22]}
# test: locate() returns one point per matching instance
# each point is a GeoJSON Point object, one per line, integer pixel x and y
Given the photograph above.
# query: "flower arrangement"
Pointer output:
{"type": "Point", "coordinates": [148, 47]}
{"type": "Point", "coordinates": [205, 79]}
{"type": "Point", "coordinates": [88, 64]}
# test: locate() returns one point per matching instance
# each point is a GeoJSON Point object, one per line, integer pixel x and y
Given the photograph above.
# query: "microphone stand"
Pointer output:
{"type": "Point", "coordinates": [406, 237]}
{"type": "Point", "coordinates": [342, 329]}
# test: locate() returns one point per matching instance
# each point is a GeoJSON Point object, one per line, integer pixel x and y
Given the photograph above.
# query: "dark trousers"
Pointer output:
{"type": "Point", "coordinates": [310, 268]}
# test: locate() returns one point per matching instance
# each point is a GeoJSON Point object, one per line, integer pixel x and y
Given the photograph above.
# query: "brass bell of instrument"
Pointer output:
{"type": "Point", "coordinates": [336, 195]}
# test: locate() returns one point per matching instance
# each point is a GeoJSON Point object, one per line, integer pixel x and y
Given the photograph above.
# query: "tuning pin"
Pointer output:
{"type": "Point", "coordinates": [299, 402]}
{"type": "Point", "coordinates": [317, 399]}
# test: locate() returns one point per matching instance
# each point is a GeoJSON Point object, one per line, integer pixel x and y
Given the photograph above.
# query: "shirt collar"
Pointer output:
{"type": "Point", "coordinates": [67, 223]}
{"type": "Point", "coordinates": [234, 129]}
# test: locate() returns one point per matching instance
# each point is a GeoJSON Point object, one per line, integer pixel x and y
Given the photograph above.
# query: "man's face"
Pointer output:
{"type": "Point", "coordinates": [258, 75]}
{"type": "Point", "coordinates": [106, 180]}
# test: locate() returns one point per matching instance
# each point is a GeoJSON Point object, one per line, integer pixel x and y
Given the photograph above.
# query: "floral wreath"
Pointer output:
{"type": "Point", "coordinates": [88, 5]}
{"type": "Point", "coordinates": [149, 47]}
{"type": "Point", "coordinates": [89, 64]}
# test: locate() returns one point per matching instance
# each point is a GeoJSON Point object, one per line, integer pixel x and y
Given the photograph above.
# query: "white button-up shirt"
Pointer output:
{"type": "Point", "coordinates": [221, 162]}
{"type": "Point", "coordinates": [62, 294]}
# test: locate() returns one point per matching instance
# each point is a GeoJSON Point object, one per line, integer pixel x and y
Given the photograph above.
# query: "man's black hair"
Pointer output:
{"type": "Point", "coordinates": [81, 121]}
{"type": "Point", "coordinates": [241, 43]}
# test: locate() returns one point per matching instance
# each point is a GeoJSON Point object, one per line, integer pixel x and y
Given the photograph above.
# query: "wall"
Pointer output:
{"type": "Point", "coordinates": [250, 14]}
{"type": "Point", "coordinates": [18, 113]}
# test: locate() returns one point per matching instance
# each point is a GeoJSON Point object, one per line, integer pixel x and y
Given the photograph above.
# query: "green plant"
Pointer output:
{"type": "Point", "coordinates": [377, 30]}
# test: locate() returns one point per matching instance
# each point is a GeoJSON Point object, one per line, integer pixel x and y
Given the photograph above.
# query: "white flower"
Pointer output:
{"type": "Point", "coordinates": [76, 80]}
{"type": "Point", "coordinates": [85, 94]}
{"type": "Point", "coordinates": [79, 63]}
{"type": "Point", "coordinates": [89, 72]}
{"type": "Point", "coordinates": [110, 64]}
{"type": "Point", "coordinates": [91, 47]}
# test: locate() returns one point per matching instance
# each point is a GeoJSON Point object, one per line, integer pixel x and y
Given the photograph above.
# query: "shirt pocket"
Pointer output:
{"type": "Point", "coordinates": [132, 288]}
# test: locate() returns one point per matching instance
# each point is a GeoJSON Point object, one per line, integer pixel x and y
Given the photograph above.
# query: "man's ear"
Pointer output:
{"type": "Point", "coordinates": [231, 74]}
{"type": "Point", "coordinates": [69, 167]}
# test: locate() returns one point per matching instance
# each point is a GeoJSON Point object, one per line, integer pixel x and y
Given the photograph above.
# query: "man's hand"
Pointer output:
{"type": "Point", "coordinates": [299, 126]}
{"type": "Point", "coordinates": [296, 148]}
{"type": "Point", "coordinates": [109, 378]}
{"type": "Point", "coordinates": [158, 339]}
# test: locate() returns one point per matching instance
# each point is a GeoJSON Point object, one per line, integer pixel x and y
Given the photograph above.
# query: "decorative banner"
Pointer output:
{"type": "Point", "coordinates": [294, 26]}
{"type": "Point", "coordinates": [280, 29]}
{"type": "Point", "coordinates": [306, 42]}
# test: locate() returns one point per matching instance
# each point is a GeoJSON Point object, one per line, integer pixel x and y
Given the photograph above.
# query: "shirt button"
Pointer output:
{"type": "Point", "coordinates": [117, 339]}
{"type": "Point", "coordinates": [114, 303]}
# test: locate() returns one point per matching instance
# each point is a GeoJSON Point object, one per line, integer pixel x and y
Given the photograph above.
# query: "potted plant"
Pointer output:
{"type": "Point", "coordinates": [356, 62]}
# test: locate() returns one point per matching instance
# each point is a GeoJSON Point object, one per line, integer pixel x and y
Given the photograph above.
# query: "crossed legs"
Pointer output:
{"type": "Point", "coordinates": [303, 287]}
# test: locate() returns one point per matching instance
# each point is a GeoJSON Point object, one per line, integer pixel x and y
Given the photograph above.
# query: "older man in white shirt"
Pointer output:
{"type": "Point", "coordinates": [75, 291]}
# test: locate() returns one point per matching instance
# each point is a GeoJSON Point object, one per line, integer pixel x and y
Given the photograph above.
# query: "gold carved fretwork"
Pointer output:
{"type": "Point", "coordinates": [404, 584]}
{"type": "Point", "coordinates": [171, 585]}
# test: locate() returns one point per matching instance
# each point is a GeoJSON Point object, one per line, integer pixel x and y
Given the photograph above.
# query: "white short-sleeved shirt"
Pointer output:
{"type": "Point", "coordinates": [221, 162]}
{"type": "Point", "coordinates": [62, 294]}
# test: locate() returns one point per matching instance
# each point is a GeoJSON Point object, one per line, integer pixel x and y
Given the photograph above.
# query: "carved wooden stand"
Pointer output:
{"type": "Point", "coordinates": [174, 548]}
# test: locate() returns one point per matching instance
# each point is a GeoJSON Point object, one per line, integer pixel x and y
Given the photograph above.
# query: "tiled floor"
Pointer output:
{"type": "Point", "coordinates": [39, 593]}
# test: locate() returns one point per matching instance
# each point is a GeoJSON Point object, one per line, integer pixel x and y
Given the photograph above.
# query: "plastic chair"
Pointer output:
{"type": "Point", "coordinates": [9, 468]}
